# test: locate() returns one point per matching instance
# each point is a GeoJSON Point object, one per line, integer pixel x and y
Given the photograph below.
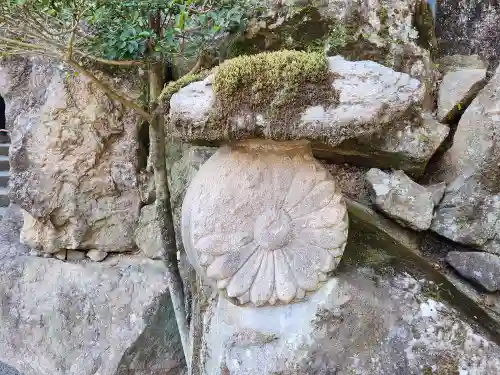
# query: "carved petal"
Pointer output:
{"type": "Point", "coordinates": [328, 216]}
{"type": "Point", "coordinates": [326, 239]}
{"type": "Point", "coordinates": [285, 281]}
{"type": "Point", "coordinates": [221, 243]}
{"type": "Point", "coordinates": [228, 264]}
{"type": "Point", "coordinates": [244, 278]}
{"type": "Point", "coordinates": [262, 288]}
{"type": "Point", "coordinates": [319, 197]}
{"type": "Point", "coordinates": [303, 270]}
{"type": "Point", "coordinates": [302, 184]}
{"type": "Point", "coordinates": [311, 257]}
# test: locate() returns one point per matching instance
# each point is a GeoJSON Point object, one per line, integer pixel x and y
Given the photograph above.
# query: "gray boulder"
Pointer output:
{"type": "Point", "coordinates": [469, 211]}
{"type": "Point", "coordinates": [109, 318]}
{"type": "Point", "coordinates": [360, 322]}
{"type": "Point", "coordinates": [374, 121]}
{"type": "Point", "coordinates": [483, 268]}
{"type": "Point", "coordinates": [457, 90]}
{"type": "Point", "coordinates": [469, 26]}
{"type": "Point", "coordinates": [402, 199]}
{"type": "Point", "coordinates": [73, 161]}
{"type": "Point", "coordinates": [147, 233]}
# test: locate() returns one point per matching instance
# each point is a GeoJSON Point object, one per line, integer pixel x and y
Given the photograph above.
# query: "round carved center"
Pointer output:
{"type": "Point", "coordinates": [272, 229]}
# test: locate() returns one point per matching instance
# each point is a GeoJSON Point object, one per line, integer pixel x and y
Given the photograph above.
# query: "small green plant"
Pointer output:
{"type": "Point", "coordinates": [338, 37]}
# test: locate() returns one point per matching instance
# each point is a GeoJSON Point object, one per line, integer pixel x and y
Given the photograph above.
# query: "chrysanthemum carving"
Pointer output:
{"type": "Point", "coordinates": [265, 222]}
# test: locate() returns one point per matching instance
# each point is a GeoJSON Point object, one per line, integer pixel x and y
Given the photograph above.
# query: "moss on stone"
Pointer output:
{"type": "Point", "coordinates": [269, 71]}
{"type": "Point", "coordinates": [423, 21]}
{"type": "Point", "coordinates": [172, 87]}
{"type": "Point", "coordinates": [276, 84]}
{"type": "Point", "coordinates": [294, 27]}
{"type": "Point", "coordinates": [383, 16]}
{"type": "Point", "coordinates": [447, 364]}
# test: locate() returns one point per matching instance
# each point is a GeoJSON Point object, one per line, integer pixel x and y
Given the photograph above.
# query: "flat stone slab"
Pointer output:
{"type": "Point", "coordinates": [375, 120]}
{"type": "Point", "coordinates": [456, 91]}
{"type": "Point", "coordinates": [468, 213]}
{"type": "Point", "coordinates": [402, 199]}
{"type": "Point", "coordinates": [483, 268]}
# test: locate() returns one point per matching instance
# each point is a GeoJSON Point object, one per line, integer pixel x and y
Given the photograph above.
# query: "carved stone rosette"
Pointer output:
{"type": "Point", "coordinates": [264, 222]}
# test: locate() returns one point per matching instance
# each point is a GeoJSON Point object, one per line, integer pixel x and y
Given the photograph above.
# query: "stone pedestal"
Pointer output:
{"type": "Point", "coordinates": [264, 222]}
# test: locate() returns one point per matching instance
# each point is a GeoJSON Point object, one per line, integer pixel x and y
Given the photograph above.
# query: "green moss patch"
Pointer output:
{"type": "Point", "coordinates": [172, 87]}
{"type": "Point", "coordinates": [276, 84]}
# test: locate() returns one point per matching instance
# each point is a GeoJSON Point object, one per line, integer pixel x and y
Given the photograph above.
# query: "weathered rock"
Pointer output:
{"type": "Point", "coordinates": [73, 161]}
{"type": "Point", "coordinates": [273, 252]}
{"type": "Point", "coordinates": [359, 322]}
{"type": "Point", "coordinates": [61, 255]}
{"type": "Point", "coordinates": [147, 233]}
{"type": "Point", "coordinates": [181, 173]}
{"type": "Point", "coordinates": [469, 211]}
{"type": "Point", "coordinates": [395, 33]}
{"type": "Point", "coordinates": [408, 147]}
{"type": "Point", "coordinates": [458, 62]}
{"type": "Point", "coordinates": [469, 26]}
{"type": "Point", "coordinates": [457, 90]}
{"type": "Point", "coordinates": [483, 268]}
{"type": "Point", "coordinates": [84, 318]}
{"type": "Point", "coordinates": [437, 191]}
{"type": "Point", "coordinates": [96, 255]}
{"type": "Point", "coordinates": [374, 122]}
{"type": "Point", "coordinates": [402, 199]}
{"type": "Point", "coordinates": [146, 187]}
{"type": "Point", "coordinates": [74, 256]}
{"type": "Point", "coordinates": [351, 181]}
{"type": "Point", "coordinates": [23, 85]}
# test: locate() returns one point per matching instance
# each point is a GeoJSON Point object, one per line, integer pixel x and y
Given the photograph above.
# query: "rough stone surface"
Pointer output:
{"type": "Point", "coordinates": [469, 211]}
{"type": "Point", "coordinates": [74, 256]}
{"type": "Point", "coordinates": [358, 323]}
{"type": "Point", "coordinates": [469, 26]}
{"type": "Point", "coordinates": [375, 122]}
{"type": "Point", "coordinates": [351, 181]}
{"type": "Point", "coordinates": [73, 160]}
{"type": "Point", "coordinates": [181, 173]}
{"type": "Point", "coordinates": [273, 226]}
{"type": "Point", "coordinates": [61, 255]}
{"type": "Point", "coordinates": [147, 233]}
{"type": "Point", "coordinates": [7, 370]}
{"type": "Point", "coordinates": [110, 318]}
{"type": "Point", "coordinates": [483, 268]}
{"type": "Point", "coordinates": [458, 62]}
{"type": "Point", "coordinates": [395, 33]}
{"type": "Point", "coordinates": [456, 91]}
{"type": "Point", "coordinates": [96, 255]}
{"type": "Point", "coordinates": [437, 191]}
{"type": "Point", "coordinates": [22, 85]}
{"type": "Point", "coordinates": [402, 199]}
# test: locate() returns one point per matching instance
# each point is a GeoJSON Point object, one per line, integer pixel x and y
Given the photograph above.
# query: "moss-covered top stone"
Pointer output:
{"type": "Point", "coordinates": [268, 72]}
{"type": "Point", "coordinates": [275, 83]}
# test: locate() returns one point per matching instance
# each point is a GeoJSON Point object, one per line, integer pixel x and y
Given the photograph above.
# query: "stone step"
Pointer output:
{"type": "Point", "coordinates": [4, 197]}
{"type": "Point", "coordinates": [4, 178]}
{"type": "Point", "coordinates": [4, 149]}
{"type": "Point", "coordinates": [4, 163]}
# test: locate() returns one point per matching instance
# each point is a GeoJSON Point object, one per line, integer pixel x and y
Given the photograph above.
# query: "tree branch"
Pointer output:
{"type": "Point", "coordinates": [108, 90]}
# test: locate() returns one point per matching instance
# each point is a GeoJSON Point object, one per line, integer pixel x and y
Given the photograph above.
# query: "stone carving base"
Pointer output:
{"type": "Point", "coordinates": [360, 323]}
